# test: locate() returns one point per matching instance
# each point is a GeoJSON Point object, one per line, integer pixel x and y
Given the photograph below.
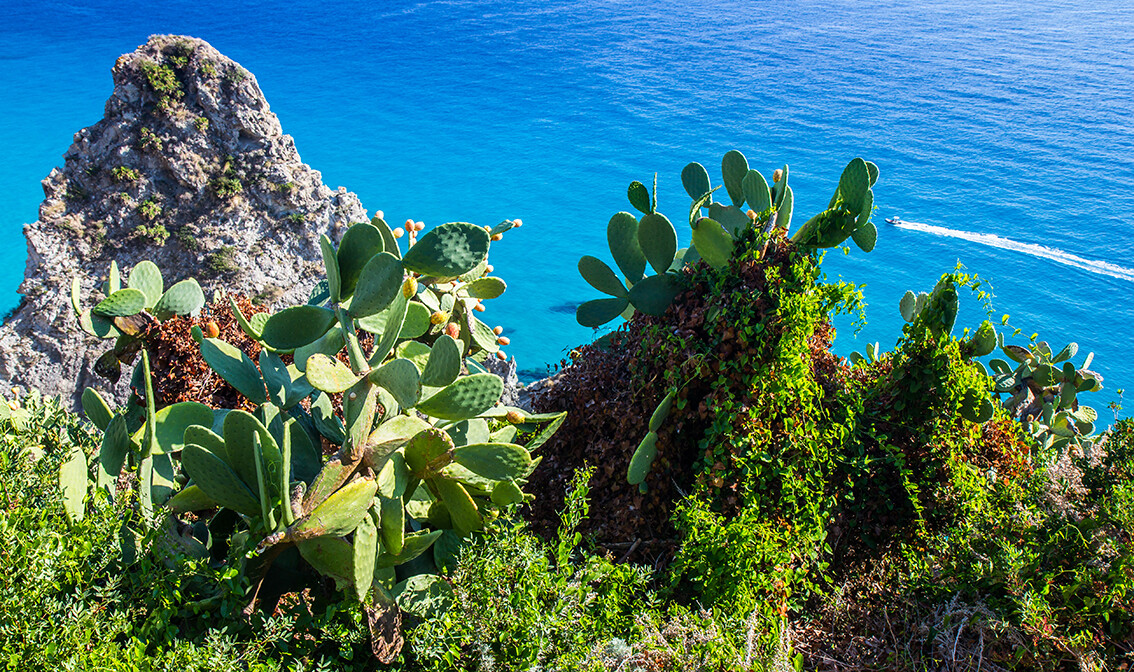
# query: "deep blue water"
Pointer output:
{"type": "Point", "coordinates": [1002, 118]}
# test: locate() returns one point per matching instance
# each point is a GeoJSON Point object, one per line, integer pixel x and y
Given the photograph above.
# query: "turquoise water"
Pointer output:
{"type": "Point", "coordinates": [1003, 131]}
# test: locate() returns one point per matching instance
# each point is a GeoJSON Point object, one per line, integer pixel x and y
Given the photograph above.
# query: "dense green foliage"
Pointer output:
{"type": "Point", "coordinates": [785, 508]}
{"type": "Point", "coordinates": [426, 455]}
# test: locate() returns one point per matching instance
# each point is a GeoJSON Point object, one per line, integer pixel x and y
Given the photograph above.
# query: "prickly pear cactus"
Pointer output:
{"type": "Point", "coordinates": [652, 239]}
{"type": "Point", "coordinates": [424, 448]}
{"type": "Point", "coordinates": [127, 313]}
{"type": "Point", "coordinates": [1042, 389]}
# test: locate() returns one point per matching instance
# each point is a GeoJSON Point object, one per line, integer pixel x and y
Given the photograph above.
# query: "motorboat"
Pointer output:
{"type": "Point", "coordinates": [894, 220]}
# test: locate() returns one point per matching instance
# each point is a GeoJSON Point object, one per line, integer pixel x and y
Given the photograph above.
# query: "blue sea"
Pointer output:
{"type": "Point", "coordinates": [1004, 132]}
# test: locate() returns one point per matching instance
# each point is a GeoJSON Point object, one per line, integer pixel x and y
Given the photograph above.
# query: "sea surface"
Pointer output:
{"type": "Point", "coordinates": [1004, 132]}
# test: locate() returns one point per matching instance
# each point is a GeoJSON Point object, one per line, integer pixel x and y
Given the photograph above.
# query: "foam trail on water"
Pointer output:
{"type": "Point", "coordinates": [1058, 256]}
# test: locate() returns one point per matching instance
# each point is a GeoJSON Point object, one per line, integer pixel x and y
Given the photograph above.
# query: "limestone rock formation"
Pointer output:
{"type": "Point", "coordinates": [188, 168]}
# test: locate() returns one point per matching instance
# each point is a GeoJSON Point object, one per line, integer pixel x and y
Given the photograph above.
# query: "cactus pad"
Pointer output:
{"type": "Point", "coordinates": [662, 411]}
{"type": "Point", "coordinates": [600, 311]}
{"type": "Point", "coordinates": [122, 303]}
{"type": "Point", "coordinates": [242, 431]}
{"type": "Point", "coordinates": [415, 351]}
{"type": "Point", "coordinates": [865, 236]}
{"type": "Point", "coordinates": [358, 246]}
{"type": "Point", "coordinates": [388, 239]}
{"type": "Point", "coordinates": [654, 294]}
{"type": "Point", "coordinates": [218, 481]}
{"type": "Point", "coordinates": [695, 179]}
{"type": "Point", "coordinates": [332, 557]}
{"type": "Point", "coordinates": [466, 518]}
{"type": "Point", "coordinates": [191, 498]}
{"type": "Point", "coordinates": [465, 398]}
{"type": "Point", "coordinates": [73, 484]}
{"type": "Point", "coordinates": [639, 197]}
{"type": "Point", "coordinates": [296, 327]}
{"type": "Point", "coordinates": [340, 513]}
{"type": "Point", "coordinates": [414, 545]}
{"type": "Point", "coordinates": [731, 217]}
{"type": "Point", "coordinates": [207, 439]}
{"type": "Point", "coordinates": [184, 298]}
{"type": "Point", "coordinates": [872, 171]}
{"type": "Point", "coordinates": [486, 288]}
{"type": "Point", "coordinates": [146, 276]}
{"type": "Point", "coordinates": [329, 374]}
{"type": "Point", "coordinates": [393, 524]}
{"type": "Point", "coordinates": [329, 343]}
{"type": "Point", "coordinates": [331, 264]}
{"type": "Point", "coordinates": [598, 275]}
{"type": "Point", "coordinates": [235, 367]}
{"type": "Point", "coordinates": [506, 493]}
{"type": "Point", "coordinates": [426, 596]}
{"type": "Point", "coordinates": [401, 378]}
{"type": "Point", "coordinates": [112, 453]}
{"type": "Point", "coordinates": [494, 461]}
{"type": "Point", "coordinates": [976, 407]}
{"type": "Point", "coordinates": [756, 192]}
{"type": "Point", "coordinates": [779, 189]}
{"type": "Point", "coordinates": [642, 459]}
{"type": "Point", "coordinates": [394, 477]}
{"type": "Point", "coordinates": [448, 250]}
{"type": "Point", "coordinates": [854, 185]}
{"type": "Point", "coordinates": [428, 452]}
{"type": "Point", "coordinates": [734, 167]}
{"type": "Point", "coordinates": [96, 408]}
{"type": "Point", "coordinates": [622, 237]}
{"type": "Point", "coordinates": [365, 552]}
{"type": "Point", "coordinates": [907, 306]}
{"type": "Point", "coordinates": [713, 243]}
{"type": "Point", "coordinates": [171, 422]}
{"type": "Point", "coordinates": [983, 341]}
{"type": "Point", "coordinates": [658, 240]}
{"type": "Point", "coordinates": [378, 283]}
{"type": "Point", "coordinates": [444, 363]}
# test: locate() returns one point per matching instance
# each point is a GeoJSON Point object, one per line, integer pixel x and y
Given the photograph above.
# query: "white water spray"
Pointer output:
{"type": "Point", "coordinates": [1058, 256]}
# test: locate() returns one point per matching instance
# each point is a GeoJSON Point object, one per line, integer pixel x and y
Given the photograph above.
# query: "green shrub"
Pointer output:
{"type": "Point", "coordinates": [147, 139]}
{"type": "Point", "coordinates": [222, 261]}
{"type": "Point", "coordinates": [163, 80]}
{"type": "Point", "coordinates": [155, 233]}
{"type": "Point", "coordinates": [520, 604]}
{"type": "Point", "coordinates": [124, 174]}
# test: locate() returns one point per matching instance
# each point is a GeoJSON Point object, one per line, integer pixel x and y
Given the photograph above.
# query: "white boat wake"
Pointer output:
{"type": "Point", "coordinates": [1058, 256]}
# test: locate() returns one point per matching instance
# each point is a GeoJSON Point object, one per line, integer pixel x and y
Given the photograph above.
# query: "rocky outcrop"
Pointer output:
{"type": "Point", "coordinates": [188, 168]}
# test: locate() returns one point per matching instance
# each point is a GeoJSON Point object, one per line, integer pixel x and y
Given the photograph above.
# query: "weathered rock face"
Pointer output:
{"type": "Point", "coordinates": [188, 168]}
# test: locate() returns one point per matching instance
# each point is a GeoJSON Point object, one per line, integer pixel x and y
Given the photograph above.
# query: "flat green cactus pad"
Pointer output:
{"type": "Point", "coordinates": [296, 327]}
{"type": "Point", "coordinates": [448, 250]}
{"type": "Point", "coordinates": [218, 481]}
{"type": "Point", "coordinates": [465, 398]}
{"type": "Point", "coordinates": [122, 303]}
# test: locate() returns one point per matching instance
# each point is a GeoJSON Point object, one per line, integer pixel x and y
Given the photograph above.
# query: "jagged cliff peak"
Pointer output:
{"type": "Point", "coordinates": [189, 168]}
